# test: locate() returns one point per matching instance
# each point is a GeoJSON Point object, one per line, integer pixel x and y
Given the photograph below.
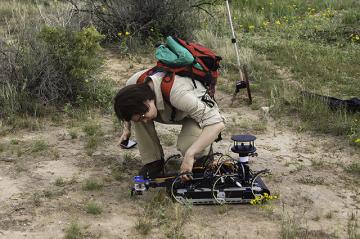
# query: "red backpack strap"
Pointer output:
{"type": "Point", "coordinates": [166, 85]}
{"type": "Point", "coordinates": [167, 81]}
{"type": "Point", "coordinates": [147, 73]}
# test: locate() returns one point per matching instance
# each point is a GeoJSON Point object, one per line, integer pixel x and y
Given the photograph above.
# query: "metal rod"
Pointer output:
{"type": "Point", "coordinates": [233, 40]}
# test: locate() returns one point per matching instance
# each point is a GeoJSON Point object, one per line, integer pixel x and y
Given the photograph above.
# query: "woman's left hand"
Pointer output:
{"type": "Point", "coordinates": [186, 167]}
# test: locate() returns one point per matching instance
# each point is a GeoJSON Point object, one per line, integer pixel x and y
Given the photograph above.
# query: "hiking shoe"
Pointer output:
{"type": "Point", "coordinates": [153, 170]}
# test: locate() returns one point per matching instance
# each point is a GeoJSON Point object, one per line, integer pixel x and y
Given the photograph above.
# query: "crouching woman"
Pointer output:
{"type": "Point", "coordinates": [138, 105]}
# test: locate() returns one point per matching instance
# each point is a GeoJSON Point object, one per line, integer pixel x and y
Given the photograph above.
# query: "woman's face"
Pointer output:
{"type": "Point", "coordinates": [149, 116]}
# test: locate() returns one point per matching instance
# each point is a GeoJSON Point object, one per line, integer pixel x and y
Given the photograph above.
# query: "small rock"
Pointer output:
{"type": "Point", "coordinates": [264, 112]}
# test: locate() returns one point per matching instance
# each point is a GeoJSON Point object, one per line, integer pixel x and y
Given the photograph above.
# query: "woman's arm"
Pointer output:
{"type": "Point", "coordinates": [126, 133]}
{"type": "Point", "coordinates": [207, 137]}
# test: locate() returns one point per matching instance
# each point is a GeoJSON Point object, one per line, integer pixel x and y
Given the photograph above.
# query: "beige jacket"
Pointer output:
{"type": "Point", "coordinates": [185, 98]}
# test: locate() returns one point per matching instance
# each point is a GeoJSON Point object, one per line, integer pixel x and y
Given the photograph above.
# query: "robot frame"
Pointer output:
{"type": "Point", "coordinates": [220, 179]}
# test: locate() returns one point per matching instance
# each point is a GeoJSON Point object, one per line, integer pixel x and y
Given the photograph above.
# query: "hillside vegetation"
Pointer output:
{"type": "Point", "coordinates": [63, 174]}
{"type": "Point", "coordinates": [51, 53]}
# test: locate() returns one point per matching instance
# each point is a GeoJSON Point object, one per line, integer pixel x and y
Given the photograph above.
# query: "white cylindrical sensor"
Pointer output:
{"type": "Point", "coordinates": [244, 159]}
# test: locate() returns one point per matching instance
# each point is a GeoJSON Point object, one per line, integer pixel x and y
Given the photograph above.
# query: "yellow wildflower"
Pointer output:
{"type": "Point", "coordinates": [265, 23]}
{"type": "Point", "coordinates": [127, 33]}
{"type": "Point", "coordinates": [251, 27]}
{"type": "Point", "coordinates": [277, 22]}
{"type": "Point", "coordinates": [119, 34]}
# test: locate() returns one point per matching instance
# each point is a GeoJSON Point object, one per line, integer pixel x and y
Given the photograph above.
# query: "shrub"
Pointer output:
{"type": "Point", "coordinates": [75, 57]}
{"type": "Point", "coordinates": [42, 64]}
{"type": "Point", "coordinates": [148, 20]}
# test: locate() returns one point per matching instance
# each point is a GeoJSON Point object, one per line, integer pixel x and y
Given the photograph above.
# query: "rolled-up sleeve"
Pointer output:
{"type": "Point", "coordinates": [196, 109]}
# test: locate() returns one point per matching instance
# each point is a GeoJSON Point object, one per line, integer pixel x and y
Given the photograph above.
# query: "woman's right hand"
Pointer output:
{"type": "Point", "coordinates": [125, 135]}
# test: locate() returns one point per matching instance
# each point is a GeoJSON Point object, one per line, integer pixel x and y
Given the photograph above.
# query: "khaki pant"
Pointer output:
{"type": "Point", "coordinates": [149, 143]}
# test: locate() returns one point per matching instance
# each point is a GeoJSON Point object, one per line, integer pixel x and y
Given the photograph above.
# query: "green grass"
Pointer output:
{"type": "Point", "coordinates": [311, 180]}
{"type": "Point", "coordinates": [117, 124]}
{"type": "Point", "coordinates": [21, 122]}
{"type": "Point", "coordinates": [323, 69]}
{"type": "Point", "coordinates": [92, 128]}
{"type": "Point", "coordinates": [118, 171]}
{"type": "Point", "coordinates": [93, 208]}
{"type": "Point", "coordinates": [92, 185]}
{"type": "Point", "coordinates": [8, 6]}
{"type": "Point", "coordinates": [314, 42]}
{"type": "Point", "coordinates": [94, 134]}
{"type": "Point", "coordinates": [129, 158]}
{"type": "Point", "coordinates": [353, 231]}
{"type": "Point", "coordinates": [321, 58]}
{"type": "Point", "coordinates": [92, 144]}
{"type": "Point", "coordinates": [39, 145]}
{"type": "Point", "coordinates": [317, 163]}
{"type": "Point", "coordinates": [353, 168]}
{"type": "Point", "coordinates": [55, 193]}
{"type": "Point", "coordinates": [247, 125]}
{"type": "Point", "coordinates": [291, 228]}
{"type": "Point", "coordinates": [73, 133]}
{"type": "Point", "coordinates": [73, 231]}
{"type": "Point", "coordinates": [60, 182]}
{"type": "Point", "coordinates": [329, 215]}
{"type": "Point", "coordinates": [161, 212]}
{"type": "Point", "coordinates": [15, 141]}
{"type": "Point", "coordinates": [143, 226]}
{"type": "Point", "coordinates": [36, 199]}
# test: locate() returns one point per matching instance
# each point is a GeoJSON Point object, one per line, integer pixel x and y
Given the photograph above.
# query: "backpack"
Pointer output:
{"type": "Point", "coordinates": [179, 57]}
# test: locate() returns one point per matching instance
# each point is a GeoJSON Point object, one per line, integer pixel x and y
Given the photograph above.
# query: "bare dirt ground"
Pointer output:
{"type": "Point", "coordinates": [317, 197]}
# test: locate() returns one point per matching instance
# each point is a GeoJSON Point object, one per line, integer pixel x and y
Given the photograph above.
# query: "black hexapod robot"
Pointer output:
{"type": "Point", "coordinates": [218, 179]}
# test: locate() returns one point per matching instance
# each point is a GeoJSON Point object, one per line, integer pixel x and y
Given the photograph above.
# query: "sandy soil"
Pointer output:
{"type": "Point", "coordinates": [317, 198]}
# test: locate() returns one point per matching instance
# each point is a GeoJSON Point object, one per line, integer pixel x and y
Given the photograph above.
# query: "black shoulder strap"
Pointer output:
{"type": "Point", "coordinates": [173, 113]}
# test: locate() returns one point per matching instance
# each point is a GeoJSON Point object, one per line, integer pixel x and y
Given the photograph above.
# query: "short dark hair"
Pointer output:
{"type": "Point", "coordinates": [129, 101]}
